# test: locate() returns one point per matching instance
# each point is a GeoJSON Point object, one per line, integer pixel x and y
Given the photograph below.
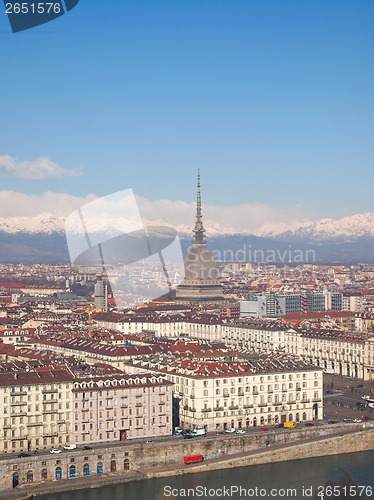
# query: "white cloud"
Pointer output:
{"type": "Point", "coordinates": [253, 217]}
{"type": "Point", "coordinates": [247, 217]}
{"type": "Point", "coordinates": [14, 204]}
{"type": "Point", "coordinates": [38, 169]}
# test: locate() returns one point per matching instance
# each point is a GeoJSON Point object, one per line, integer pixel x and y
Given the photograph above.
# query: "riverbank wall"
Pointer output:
{"type": "Point", "coordinates": [137, 461]}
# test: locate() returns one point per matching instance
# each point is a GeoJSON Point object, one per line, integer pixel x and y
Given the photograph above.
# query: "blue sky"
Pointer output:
{"type": "Point", "coordinates": [272, 100]}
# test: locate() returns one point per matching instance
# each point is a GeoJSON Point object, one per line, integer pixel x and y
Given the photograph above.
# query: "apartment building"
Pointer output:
{"type": "Point", "coordinates": [274, 305]}
{"type": "Point", "coordinates": [121, 407]}
{"type": "Point", "coordinates": [35, 409]}
{"type": "Point", "coordinates": [218, 394]}
{"type": "Point", "coordinates": [268, 336]}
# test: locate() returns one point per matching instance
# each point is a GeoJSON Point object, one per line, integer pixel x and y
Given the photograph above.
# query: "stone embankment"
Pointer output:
{"type": "Point", "coordinates": [142, 460]}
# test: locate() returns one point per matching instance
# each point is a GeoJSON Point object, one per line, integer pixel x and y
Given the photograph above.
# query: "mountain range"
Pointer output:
{"type": "Point", "coordinates": [349, 239]}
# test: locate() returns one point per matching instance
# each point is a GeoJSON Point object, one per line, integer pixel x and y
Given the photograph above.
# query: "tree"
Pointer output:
{"type": "Point", "coordinates": [345, 489]}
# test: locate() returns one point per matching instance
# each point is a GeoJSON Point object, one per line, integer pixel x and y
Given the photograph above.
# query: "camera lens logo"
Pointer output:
{"type": "Point", "coordinates": [24, 15]}
{"type": "Point", "coordinates": [142, 262]}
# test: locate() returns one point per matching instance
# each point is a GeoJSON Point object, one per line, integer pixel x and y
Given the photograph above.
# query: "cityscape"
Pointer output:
{"type": "Point", "coordinates": [260, 352]}
{"type": "Point", "coordinates": [186, 250]}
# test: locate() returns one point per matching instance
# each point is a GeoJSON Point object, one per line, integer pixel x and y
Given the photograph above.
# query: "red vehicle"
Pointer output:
{"type": "Point", "coordinates": [193, 459]}
{"type": "Point", "coordinates": [264, 429]}
{"type": "Point", "coordinates": [365, 418]}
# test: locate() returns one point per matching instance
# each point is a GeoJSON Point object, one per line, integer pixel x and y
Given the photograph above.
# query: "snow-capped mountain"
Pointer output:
{"type": "Point", "coordinates": [348, 228]}
{"type": "Point", "coordinates": [43, 223]}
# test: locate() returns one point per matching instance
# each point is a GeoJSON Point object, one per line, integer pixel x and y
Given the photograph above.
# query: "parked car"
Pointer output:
{"type": "Point", "coordinates": [22, 455]}
{"type": "Point", "coordinates": [347, 419]}
{"type": "Point", "coordinates": [231, 429]}
{"type": "Point", "coordinates": [332, 421]}
{"type": "Point", "coordinates": [188, 436]}
{"type": "Point", "coordinates": [264, 429]}
{"type": "Point", "coordinates": [279, 426]}
{"type": "Point", "coordinates": [240, 431]}
{"type": "Point", "coordinates": [309, 424]}
{"type": "Point", "coordinates": [178, 431]}
{"type": "Point", "coordinates": [356, 420]}
{"type": "Point", "coordinates": [87, 447]}
{"type": "Point", "coordinates": [71, 446]}
{"type": "Point", "coordinates": [366, 418]}
{"type": "Point", "coordinates": [55, 450]}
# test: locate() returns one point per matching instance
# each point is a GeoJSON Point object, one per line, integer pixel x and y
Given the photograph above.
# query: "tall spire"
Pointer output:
{"type": "Point", "coordinates": [199, 228]}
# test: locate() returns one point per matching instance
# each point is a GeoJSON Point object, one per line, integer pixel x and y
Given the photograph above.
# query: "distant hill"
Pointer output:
{"type": "Point", "coordinates": [346, 240]}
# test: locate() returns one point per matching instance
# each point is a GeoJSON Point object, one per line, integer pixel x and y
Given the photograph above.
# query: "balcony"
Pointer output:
{"type": "Point", "coordinates": [206, 410]}
{"type": "Point", "coordinates": [19, 403]}
{"type": "Point", "coordinates": [21, 393]}
{"type": "Point", "coordinates": [248, 406]}
{"type": "Point", "coordinates": [50, 435]}
{"type": "Point", "coordinates": [139, 404]}
{"type": "Point", "coordinates": [49, 401]}
{"type": "Point", "coordinates": [34, 424]}
{"type": "Point", "coordinates": [49, 391]}
{"type": "Point", "coordinates": [316, 400]}
{"type": "Point", "coordinates": [19, 414]}
{"type": "Point", "coordinates": [218, 408]}
{"type": "Point", "coordinates": [192, 409]}
{"type": "Point", "coordinates": [48, 412]}
{"type": "Point", "coordinates": [226, 395]}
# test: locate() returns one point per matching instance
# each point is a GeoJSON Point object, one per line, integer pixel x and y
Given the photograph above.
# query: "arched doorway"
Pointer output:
{"type": "Point", "coordinates": [304, 416]}
{"type": "Point", "coordinates": [100, 468]}
{"type": "Point", "coordinates": [86, 470]}
{"type": "Point", "coordinates": [297, 417]}
{"type": "Point", "coordinates": [247, 422]}
{"type": "Point", "coordinates": [15, 479]}
{"type": "Point", "coordinates": [126, 464]}
{"type": "Point", "coordinates": [72, 471]}
{"type": "Point", "coordinates": [290, 417]}
{"type": "Point", "coordinates": [315, 411]}
{"type": "Point", "coordinates": [255, 422]}
{"type": "Point", "coordinates": [30, 476]}
{"type": "Point", "coordinates": [269, 419]}
{"type": "Point", "coordinates": [262, 421]}
{"type": "Point", "coordinates": [276, 419]}
{"type": "Point", "coordinates": [113, 466]}
{"type": "Point", "coordinates": [58, 473]}
{"type": "Point", "coordinates": [44, 474]}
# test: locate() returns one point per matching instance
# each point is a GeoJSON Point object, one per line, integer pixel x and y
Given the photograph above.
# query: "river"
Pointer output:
{"type": "Point", "coordinates": [295, 476]}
